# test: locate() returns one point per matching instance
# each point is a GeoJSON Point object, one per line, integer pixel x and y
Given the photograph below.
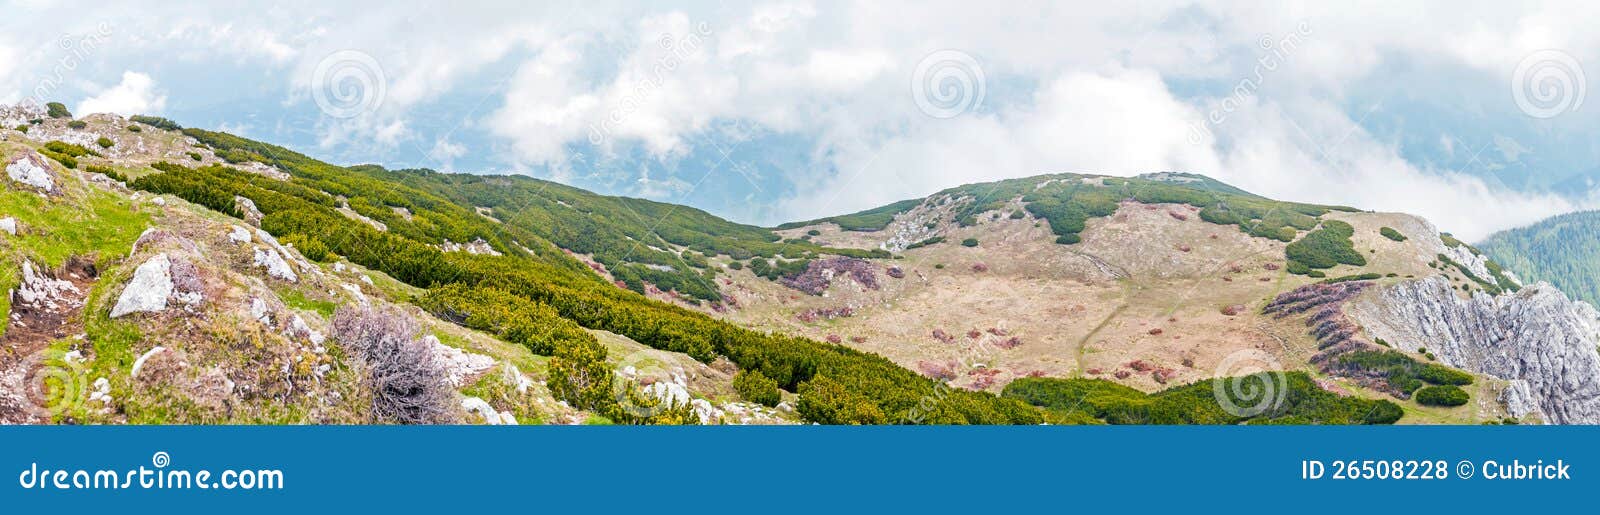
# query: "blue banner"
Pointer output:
{"type": "Point", "coordinates": [794, 469]}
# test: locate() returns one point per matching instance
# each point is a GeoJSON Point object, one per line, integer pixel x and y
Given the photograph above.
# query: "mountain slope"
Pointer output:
{"type": "Point", "coordinates": [1148, 290]}
{"type": "Point", "coordinates": [1562, 250]}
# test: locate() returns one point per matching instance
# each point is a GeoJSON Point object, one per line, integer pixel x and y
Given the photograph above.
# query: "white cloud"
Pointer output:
{"type": "Point", "coordinates": [136, 94]}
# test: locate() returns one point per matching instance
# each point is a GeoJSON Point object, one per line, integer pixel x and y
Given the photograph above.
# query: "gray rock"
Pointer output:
{"type": "Point", "coordinates": [1537, 337]}
{"type": "Point", "coordinates": [275, 264]}
{"type": "Point", "coordinates": [247, 209]}
{"type": "Point", "coordinates": [31, 169]}
{"type": "Point", "coordinates": [149, 289]}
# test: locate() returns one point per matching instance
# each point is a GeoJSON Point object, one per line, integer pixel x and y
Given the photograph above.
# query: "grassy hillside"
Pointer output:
{"type": "Point", "coordinates": [1562, 250]}
{"type": "Point", "coordinates": [533, 294]}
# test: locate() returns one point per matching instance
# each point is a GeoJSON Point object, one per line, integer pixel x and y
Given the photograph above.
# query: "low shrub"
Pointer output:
{"type": "Point", "coordinates": [105, 142]}
{"type": "Point", "coordinates": [57, 110]}
{"type": "Point", "coordinates": [969, 242]}
{"type": "Point", "coordinates": [1445, 395]}
{"type": "Point", "coordinates": [757, 388]}
{"type": "Point", "coordinates": [1390, 233]}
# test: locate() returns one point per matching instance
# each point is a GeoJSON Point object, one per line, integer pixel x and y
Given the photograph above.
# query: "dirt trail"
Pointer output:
{"type": "Point", "coordinates": [54, 311]}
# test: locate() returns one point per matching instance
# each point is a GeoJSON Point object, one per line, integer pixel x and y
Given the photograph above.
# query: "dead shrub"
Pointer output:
{"type": "Point", "coordinates": [407, 381]}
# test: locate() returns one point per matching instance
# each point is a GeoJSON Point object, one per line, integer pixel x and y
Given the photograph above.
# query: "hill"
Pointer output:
{"type": "Point", "coordinates": [137, 243]}
{"type": "Point", "coordinates": [1562, 250]}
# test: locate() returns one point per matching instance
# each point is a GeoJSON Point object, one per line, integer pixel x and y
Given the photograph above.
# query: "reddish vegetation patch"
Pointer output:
{"type": "Point", "coordinates": [1163, 374]}
{"type": "Point", "coordinates": [834, 338]}
{"type": "Point", "coordinates": [1179, 216]}
{"type": "Point", "coordinates": [858, 339]}
{"type": "Point", "coordinates": [1233, 310]}
{"type": "Point", "coordinates": [896, 272]}
{"type": "Point", "coordinates": [1140, 365]}
{"type": "Point", "coordinates": [1095, 371]}
{"type": "Point", "coordinates": [815, 314]}
{"type": "Point", "coordinates": [1213, 236]}
{"type": "Point", "coordinates": [939, 334]}
{"type": "Point", "coordinates": [945, 371]}
{"type": "Point", "coordinates": [1266, 279]}
{"type": "Point", "coordinates": [1123, 374]}
{"type": "Point", "coordinates": [819, 274]}
{"type": "Point", "coordinates": [1155, 332]}
{"type": "Point", "coordinates": [1188, 362]}
{"type": "Point", "coordinates": [1185, 248]}
{"type": "Point", "coordinates": [973, 334]}
{"type": "Point", "coordinates": [980, 267]}
{"type": "Point", "coordinates": [1271, 266]}
{"type": "Point", "coordinates": [1227, 279]}
{"type": "Point", "coordinates": [1039, 373]}
{"type": "Point", "coordinates": [1009, 343]}
{"type": "Point", "coordinates": [998, 331]}
{"type": "Point", "coordinates": [1235, 268]}
{"type": "Point", "coordinates": [1332, 387]}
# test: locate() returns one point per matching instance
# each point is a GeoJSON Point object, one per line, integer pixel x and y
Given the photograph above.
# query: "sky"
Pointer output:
{"type": "Point", "coordinates": [1472, 114]}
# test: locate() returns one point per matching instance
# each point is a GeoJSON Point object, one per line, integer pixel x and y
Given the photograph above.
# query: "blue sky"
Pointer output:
{"type": "Point", "coordinates": [1472, 114]}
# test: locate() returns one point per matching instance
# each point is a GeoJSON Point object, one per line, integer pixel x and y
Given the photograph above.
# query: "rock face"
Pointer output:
{"type": "Point", "coordinates": [31, 169]}
{"type": "Point", "coordinates": [1537, 338]}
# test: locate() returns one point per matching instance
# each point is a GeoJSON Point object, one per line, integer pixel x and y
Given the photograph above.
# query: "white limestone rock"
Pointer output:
{"type": "Point", "coordinates": [1536, 336]}
{"type": "Point", "coordinates": [149, 289]}
{"type": "Point", "coordinates": [31, 169]}
{"type": "Point", "coordinates": [274, 263]}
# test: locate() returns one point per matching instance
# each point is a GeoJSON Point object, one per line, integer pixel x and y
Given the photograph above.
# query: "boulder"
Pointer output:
{"type": "Point", "coordinates": [247, 210]}
{"type": "Point", "coordinates": [275, 264]}
{"type": "Point", "coordinates": [32, 169]}
{"type": "Point", "coordinates": [149, 289]}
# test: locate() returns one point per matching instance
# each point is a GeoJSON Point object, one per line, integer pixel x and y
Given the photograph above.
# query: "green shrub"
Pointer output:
{"type": "Point", "coordinates": [736, 265]}
{"type": "Point", "coordinates": [104, 142]}
{"type": "Point", "coordinates": [57, 110]}
{"type": "Point", "coordinates": [106, 171]}
{"type": "Point", "coordinates": [311, 248]}
{"type": "Point", "coordinates": [1197, 403]}
{"type": "Point", "coordinates": [814, 232]}
{"type": "Point", "coordinates": [757, 388]}
{"type": "Point", "coordinates": [70, 149]}
{"type": "Point", "coordinates": [22, 128]}
{"type": "Point", "coordinates": [969, 242]}
{"type": "Point", "coordinates": [926, 242]}
{"type": "Point", "coordinates": [1018, 214]}
{"type": "Point", "coordinates": [194, 156]}
{"type": "Point", "coordinates": [157, 122]}
{"type": "Point", "coordinates": [134, 128]}
{"type": "Point", "coordinates": [1390, 233]}
{"type": "Point", "coordinates": [77, 124]}
{"type": "Point", "coordinates": [1446, 395]}
{"type": "Point", "coordinates": [65, 160]}
{"type": "Point", "coordinates": [825, 401]}
{"type": "Point", "coordinates": [1326, 247]}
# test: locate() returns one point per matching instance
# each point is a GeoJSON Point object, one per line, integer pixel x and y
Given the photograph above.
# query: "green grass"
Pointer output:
{"type": "Point", "coordinates": [81, 223]}
{"type": "Point", "coordinates": [297, 299]}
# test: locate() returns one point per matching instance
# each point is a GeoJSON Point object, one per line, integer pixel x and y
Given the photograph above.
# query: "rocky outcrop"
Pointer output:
{"type": "Point", "coordinates": [1537, 338]}
{"type": "Point", "coordinates": [31, 169]}
{"type": "Point", "coordinates": [247, 210]}
{"type": "Point", "coordinates": [158, 280]}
